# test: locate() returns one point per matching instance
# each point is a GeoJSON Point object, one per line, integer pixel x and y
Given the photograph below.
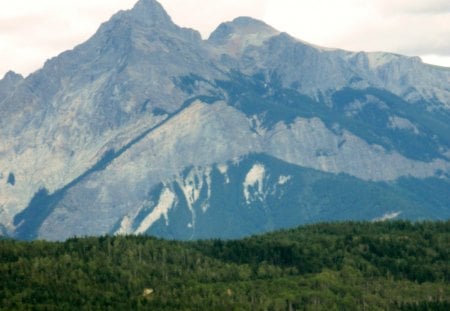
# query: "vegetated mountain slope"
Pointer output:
{"type": "Point", "coordinates": [351, 266]}
{"type": "Point", "coordinates": [117, 134]}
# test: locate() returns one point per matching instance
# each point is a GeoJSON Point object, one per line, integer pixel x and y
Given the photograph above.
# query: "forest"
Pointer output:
{"type": "Point", "coordinates": [394, 265]}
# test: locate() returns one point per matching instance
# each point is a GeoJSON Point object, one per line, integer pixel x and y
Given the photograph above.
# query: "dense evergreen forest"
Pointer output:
{"type": "Point", "coordinates": [345, 266]}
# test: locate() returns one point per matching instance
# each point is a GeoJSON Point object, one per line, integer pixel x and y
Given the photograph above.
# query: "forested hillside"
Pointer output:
{"type": "Point", "coordinates": [345, 266]}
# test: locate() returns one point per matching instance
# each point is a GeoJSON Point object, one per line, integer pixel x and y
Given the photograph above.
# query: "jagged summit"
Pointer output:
{"type": "Point", "coordinates": [147, 13]}
{"type": "Point", "coordinates": [9, 81]}
{"type": "Point", "coordinates": [150, 11]}
{"type": "Point", "coordinates": [12, 76]}
{"type": "Point", "coordinates": [147, 16]}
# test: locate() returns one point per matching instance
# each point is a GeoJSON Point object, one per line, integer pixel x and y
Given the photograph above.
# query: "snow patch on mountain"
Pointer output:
{"type": "Point", "coordinates": [223, 169]}
{"type": "Point", "coordinates": [166, 201]}
{"type": "Point", "coordinates": [254, 182]}
{"type": "Point", "coordinates": [125, 226]}
{"type": "Point", "coordinates": [283, 179]}
{"type": "Point", "coordinates": [208, 180]}
{"type": "Point", "coordinates": [192, 186]}
{"type": "Point", "coordinates": [388, 216]}
{"type": "Point", "coordinates": [402, 124]}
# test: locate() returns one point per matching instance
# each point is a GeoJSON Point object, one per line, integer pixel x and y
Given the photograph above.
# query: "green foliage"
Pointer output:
{"type": "Point", "coordinates": [345, 266]}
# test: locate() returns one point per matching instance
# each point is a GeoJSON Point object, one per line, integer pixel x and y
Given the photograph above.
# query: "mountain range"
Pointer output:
{"type": "Point", "coordinates": [146, 128]}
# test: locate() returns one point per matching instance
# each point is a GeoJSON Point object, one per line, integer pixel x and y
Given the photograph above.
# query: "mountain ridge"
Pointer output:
{"type": "Point", "coordinates": [248, 89]}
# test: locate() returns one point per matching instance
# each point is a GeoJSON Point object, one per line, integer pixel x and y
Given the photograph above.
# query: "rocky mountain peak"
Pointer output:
{"type": "Point", "coordinates": [151, 12]}
{"type": "Point", "coordinates": [9, 81]}
{"type": "Point", "coordinates": [11, 76]}
{"type": "Point", "coordinates": [147, 16]}
{"type": "Point", "coordinates": [240, 33]}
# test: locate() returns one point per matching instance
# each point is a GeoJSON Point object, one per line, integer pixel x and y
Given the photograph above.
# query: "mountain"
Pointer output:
{"type": "Point", "coordinates": [147, 128]}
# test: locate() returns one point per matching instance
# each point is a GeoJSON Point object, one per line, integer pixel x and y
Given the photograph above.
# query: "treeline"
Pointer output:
{"type": "Point", "coordinates": [344, 266]}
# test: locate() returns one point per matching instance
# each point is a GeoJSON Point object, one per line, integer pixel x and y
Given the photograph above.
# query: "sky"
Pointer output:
{"type": "Point", "coordinates": [32, 31]}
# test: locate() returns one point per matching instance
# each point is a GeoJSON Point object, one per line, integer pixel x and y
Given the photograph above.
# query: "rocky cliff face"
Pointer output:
{"type": "Point", "coordinates": [147, 128]}
{"type": "Point", "coordinates": [318, 71]}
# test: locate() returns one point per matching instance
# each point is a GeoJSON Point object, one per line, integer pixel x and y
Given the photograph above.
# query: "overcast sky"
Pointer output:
{"type": "Point", "coordinates": [32, 31]}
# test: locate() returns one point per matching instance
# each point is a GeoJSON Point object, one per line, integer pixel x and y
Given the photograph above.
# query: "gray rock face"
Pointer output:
{"type": "Point", "coordinates": [317, 71]}
{"type": "Point", "coordinates": [122, 130]}
{"type": "Point", "coordinates": [91, 99]}
{"type": "Point", "coordinates": [219, 133]}
{"type": "Point", "coordinates": [235, 37]}
{"type": "Point", "coordinates": [8, 83]}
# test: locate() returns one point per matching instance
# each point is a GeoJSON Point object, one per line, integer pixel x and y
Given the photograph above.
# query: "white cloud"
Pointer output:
{"type": "Point", "coordinates": [317, 21]}
{"type": "Point", "coordinates": [437, 59]}
{"type": "Point", "coordinates": [412, 27]}
{"type": "Point", "coordinates": [32, 31]}
{"type": "Point", "coordinates": [413, 34]}
{"type": "Point", "coordinates": [413, 6]}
